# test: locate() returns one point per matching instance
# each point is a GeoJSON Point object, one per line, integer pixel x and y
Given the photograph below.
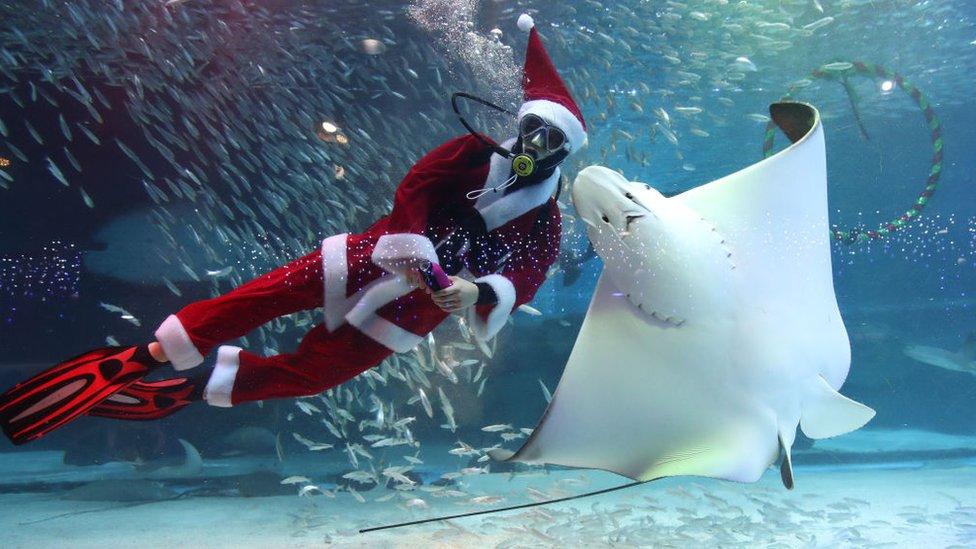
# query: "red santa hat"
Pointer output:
{"type": "Point", "coordinates": [545, 93]}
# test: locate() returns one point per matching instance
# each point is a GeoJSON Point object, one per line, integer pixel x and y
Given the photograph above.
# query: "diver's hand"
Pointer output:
{"type": "Point", "coordinates": [157, 352]}
{"type": "Point", "coordinates": [460, 295]}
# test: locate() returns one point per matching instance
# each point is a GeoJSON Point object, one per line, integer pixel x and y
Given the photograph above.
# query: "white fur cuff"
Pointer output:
{"type": "Point", "coordinates": [221, 383]}
{"type": "Point", "coordinates": [505, 291]}
{"type": "Point", "coordinates": [335, 275]}
{"type": "Point", "coordinates": [177, 345]}
{"type": "Point", "coordinates": [396, 252]}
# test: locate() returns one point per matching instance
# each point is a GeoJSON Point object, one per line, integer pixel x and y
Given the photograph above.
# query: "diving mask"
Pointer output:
{"type": "Point", "coordinates": [541, 146]}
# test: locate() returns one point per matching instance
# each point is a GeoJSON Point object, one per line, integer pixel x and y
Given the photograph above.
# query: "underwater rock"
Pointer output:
{"type": "Point", "coordinates": [120, 490]}
{"type": "Point", "coordinates": [414, 476]}
{"type": "Point", "coordinates": [444, 482]}
{"type": "Point", "coordinates": [259, 484]}
{"type": "Point", "coordinates": [249, 439]}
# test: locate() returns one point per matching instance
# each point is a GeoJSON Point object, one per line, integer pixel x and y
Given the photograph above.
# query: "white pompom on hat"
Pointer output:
{"type": "Point", "coordinates": [545, 94]}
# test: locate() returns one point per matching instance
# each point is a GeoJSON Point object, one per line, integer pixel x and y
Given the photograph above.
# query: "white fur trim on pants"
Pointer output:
{"type": "Point", "coordinates": [177, 345]}
{"type": "Point", "coordinates": [392, 251]}
{"type": "Point", "coordinates": [558, 116]}
{"type": "Point", "coordinates": [505, 291]}
{"type": "Point", "coordinates": [221, 383]}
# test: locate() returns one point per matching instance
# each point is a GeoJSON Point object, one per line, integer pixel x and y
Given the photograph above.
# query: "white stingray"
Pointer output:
{"type": "Point", "coordinates": [714, 330]}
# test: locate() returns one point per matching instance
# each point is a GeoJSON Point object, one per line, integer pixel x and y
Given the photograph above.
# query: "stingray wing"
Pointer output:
{"type": "Point", "coordinates": [646, 399]}
{"type": "Point", "coordinates": [639, 397]}
{"type": "Point", "coordinates": [774, 214]}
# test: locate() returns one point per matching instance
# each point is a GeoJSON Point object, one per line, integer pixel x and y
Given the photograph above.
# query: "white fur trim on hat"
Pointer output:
{"type": "Point", "coordinates": [559, 116]}
{"type": "Point", "coordinates": [525, 22]}
{"type": "Point", "coordinates": [505, 291]}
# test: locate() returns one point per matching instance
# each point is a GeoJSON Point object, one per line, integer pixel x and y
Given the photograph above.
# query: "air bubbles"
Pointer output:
{"type": "Point", "coordinates": [491, 61]}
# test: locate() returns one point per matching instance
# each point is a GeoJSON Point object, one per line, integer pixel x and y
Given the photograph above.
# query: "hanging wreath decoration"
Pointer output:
{"type": "Point", "coordinates": [839, 71]}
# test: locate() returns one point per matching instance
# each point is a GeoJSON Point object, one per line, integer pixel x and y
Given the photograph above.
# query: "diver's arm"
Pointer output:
{"type": "Point", "coordinates": [521, 277]}
{"type": "Point", "coordinates": [427, 186]}
{"type": "Point", "coordinates": [430, 184]}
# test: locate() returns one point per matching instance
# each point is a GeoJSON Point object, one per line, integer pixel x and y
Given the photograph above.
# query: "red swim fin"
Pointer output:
{"type": "Point", "coordinates": [147, 400]}
{"type": "Point", "coordinates": [60, 394]}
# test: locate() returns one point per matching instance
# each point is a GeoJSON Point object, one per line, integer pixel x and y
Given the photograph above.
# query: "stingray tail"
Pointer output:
{"type": "Point", "coordinates": [513, 507]}
{"type": "Point", "coordinates": [827, 413]}
{"type": "Point", "coordinates": [786, 463]}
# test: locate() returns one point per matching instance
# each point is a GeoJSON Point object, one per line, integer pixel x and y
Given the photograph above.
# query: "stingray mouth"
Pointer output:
{"type": "Point", "coordinates": [606, 225]}
{"type": "Point", "coordinates": [628, 220]}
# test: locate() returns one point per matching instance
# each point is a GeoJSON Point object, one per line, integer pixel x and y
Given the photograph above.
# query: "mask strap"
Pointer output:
{"type": "Point", "coordinates": [494, 146]}
{"type": "Point", "coordinates": [455, 95]}
{"type": "Point", "coordinates": [475, 195]}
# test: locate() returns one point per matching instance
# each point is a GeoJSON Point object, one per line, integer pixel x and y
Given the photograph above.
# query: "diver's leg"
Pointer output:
{"type": "Point", "coordinates": [188, 335]}
{"type": "Point", "coordinates": [323, 360]}
{"type": "Point", "coordinates": [67, 390]}
{"type": "Point", "coordinates": [147, 400]}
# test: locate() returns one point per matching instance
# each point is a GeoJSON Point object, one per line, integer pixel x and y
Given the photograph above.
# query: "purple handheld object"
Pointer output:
{"type": "Point", "coordinates": [434, 276]}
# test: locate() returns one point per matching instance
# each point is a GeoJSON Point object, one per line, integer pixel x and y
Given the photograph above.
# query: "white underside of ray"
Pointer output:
{"type": "Point", "coordinates": [648, 410]}
{"type": "Point", "coordinates": [714, 394]}
{"type": "Point", "coordinates": [774, 214]}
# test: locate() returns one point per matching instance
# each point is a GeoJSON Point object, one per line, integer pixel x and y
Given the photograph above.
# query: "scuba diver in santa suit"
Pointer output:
{"type": "Point", "coordinates": [484, 212]}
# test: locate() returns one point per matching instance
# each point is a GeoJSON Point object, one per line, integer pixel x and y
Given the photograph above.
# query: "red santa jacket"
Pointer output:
{"type": "Point", "coordinates": [364, 274]}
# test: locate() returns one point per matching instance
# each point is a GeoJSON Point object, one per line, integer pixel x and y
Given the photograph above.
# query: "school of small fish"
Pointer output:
{"type": "Point", "coordinates": [278, 126]}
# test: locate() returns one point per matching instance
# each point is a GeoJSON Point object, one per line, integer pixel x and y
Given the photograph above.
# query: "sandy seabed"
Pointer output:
{"type": "Point", "coordinates": [908, 504]}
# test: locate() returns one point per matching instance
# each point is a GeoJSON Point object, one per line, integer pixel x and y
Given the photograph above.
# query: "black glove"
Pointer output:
{"type": "Point", "coordinates": [486, 294]}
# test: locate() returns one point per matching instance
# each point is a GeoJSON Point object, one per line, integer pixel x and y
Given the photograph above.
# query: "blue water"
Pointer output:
{"type": "Point", "coordinates": [914, 287]}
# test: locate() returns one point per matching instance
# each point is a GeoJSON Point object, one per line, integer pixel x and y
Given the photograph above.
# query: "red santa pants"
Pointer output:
{"type": "Point", "coordinates": [324, 359]}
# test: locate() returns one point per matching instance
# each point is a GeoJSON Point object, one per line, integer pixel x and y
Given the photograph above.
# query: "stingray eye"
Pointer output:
{"type": "Point", "coordinates": [630, 196]}
{"type": "Point", "coordinates": [648, 187]}
{"type": "Point", "coordinates": [606, 219]}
